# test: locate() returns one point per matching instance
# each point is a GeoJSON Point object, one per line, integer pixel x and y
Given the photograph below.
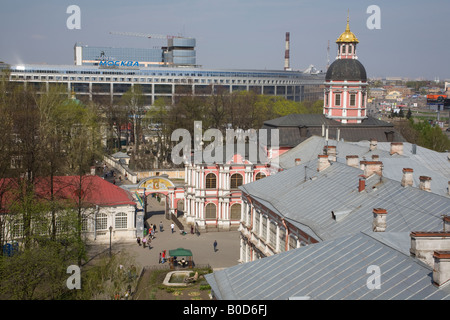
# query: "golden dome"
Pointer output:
{"type": "Point", "coordinates": [347, 35]}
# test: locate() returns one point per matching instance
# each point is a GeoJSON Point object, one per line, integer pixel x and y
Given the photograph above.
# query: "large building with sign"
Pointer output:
{"type": "Point", "coordinates": [104, 74]}
{"type": "Point", "coordinates": [179, 51]}
{"type": "Point", "coordinates": [107, 84]}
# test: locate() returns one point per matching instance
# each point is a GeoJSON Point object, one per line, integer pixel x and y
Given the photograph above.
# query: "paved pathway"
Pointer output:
{"type": "Point", "coordinates": [227, 253]}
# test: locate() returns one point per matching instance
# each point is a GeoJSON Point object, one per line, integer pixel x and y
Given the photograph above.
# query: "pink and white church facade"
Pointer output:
{"type": "Point", "coordinates": [212, 197]}
{"type": "Point", "coordinates": [345, 96]}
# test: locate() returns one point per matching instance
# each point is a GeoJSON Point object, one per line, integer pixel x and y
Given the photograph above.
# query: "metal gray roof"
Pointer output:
{"type": "Point", "coordinates": [306, 198]}
{"type": "Point", "coordinates": [313, 146]}
{"type": "Point", "coordinates": [433, 160]}
{"type": "Point", "coordinates": [330, 270]}
{"type": "Point", "coordinates": [424, 162]}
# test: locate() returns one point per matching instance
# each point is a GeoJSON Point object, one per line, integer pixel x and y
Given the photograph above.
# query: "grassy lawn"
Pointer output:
{"type": "Point", "coordinates": [151, 287]}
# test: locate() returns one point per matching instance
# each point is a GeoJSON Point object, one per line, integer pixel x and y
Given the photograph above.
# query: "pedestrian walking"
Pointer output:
{"type": "Point", "coordinates": [138, 240]}
{"type": "Point", "coordinates": [215, 245]}
{"type": "Point", "coordinates": [144, 241]}
{"type": "Point", "coordinates": [149, 241]}
{"type": "Point", "coordinates": [154, 228]}
{"type": "Point", "coordinates": [163, 256]}
{"type": "Point", "coordinates": [159, 257]}
{"type": "Point", "coordinates": [161, 226]}
{"type": "Point", "coordinates": [172, 226]}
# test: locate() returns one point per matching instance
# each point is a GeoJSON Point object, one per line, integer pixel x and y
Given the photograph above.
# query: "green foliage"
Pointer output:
{"type": "Point", "coordinates": [431, 137]}
{"type": "Point", "coordinates": [205, 287]}
{"type": "Point", "coordinates": [243, 109]}
{"type": "Point", "coordinates": [106, 278]}
{"type": "Point", "coordinates": [37, 273]}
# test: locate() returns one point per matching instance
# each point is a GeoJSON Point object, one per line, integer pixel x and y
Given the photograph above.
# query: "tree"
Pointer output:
{"type": "Point", "coordinates": [158, 119]}
{"type": "Point", "coordinates": [133, 101]}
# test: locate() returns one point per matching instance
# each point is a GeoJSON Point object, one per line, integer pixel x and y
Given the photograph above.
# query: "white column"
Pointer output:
{"type": "Point", "coordinates": [241, 250]}
{"type": "Point", "coordinates": [277, 243]}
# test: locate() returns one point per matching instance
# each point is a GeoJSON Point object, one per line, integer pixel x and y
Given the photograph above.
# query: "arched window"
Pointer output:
{"type": "Point", "coordinates": [235, 212]}
{"type": "Point", "coordinates": [121, 220]}
{"type": "Point", "coordinates": [211, 181]}
{"type": "Point", "coordinates": [236, 181]}
{"type": "Point", "coordinates": [259, 175]}
{"type": "Point", "coordinates": [210, 211]}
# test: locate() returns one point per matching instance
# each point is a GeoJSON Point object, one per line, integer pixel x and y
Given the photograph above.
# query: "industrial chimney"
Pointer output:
{"type": "Point", "coordinates": [286, 54]}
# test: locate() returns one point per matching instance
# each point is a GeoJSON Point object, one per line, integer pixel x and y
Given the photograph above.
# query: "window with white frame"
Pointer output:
{"type": "Point", "coordinates": [248, 214]}
{"type": "Point", "coordinates": [236, 181]}
{"type": "Point", "coordinates": [84, 224]}
{"type": "Point", "coordinates": [102, 222]}
{"type": "Point", "coordinates": [273, 234]}
{"type": "Point", "coordinates": [337, 99]}
{"type": "Point", "coordinates": [282, 240]}
{"type": "Point", "coordinates": [292, 242]}
{"type": "Point", "coordinates": [41, 227]}
{"type": "Point", "coordinates": [264, 228]}
{"type": "Point", "coordinates": [352, 99]}
{"type": "Point", "coordinates": [17, 231]}
{"type": "Point", "coordinates": [120, 221]}
{"type": "Point", "coordinates": [211, 181]}
{"type": "Point", "coordinates": [257, 219]}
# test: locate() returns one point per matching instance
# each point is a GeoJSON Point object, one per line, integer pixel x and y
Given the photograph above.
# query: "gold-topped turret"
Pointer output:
{"type": "Point", "coordinates": [347, 36]}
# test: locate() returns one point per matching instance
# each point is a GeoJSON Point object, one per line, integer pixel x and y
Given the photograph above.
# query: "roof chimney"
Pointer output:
{"type": "Point", "coordinates": [407, 179]}
{"type": "Point", "coordinates": [379, 220]}
{"type": "Point", "coordinates": [362, 183]}
{"type": "Point", "coordinates": [286, 53]}
{"type": "Point", "coordinates": [396, 148]}
{"type": "Point", "coordinates": [371, 167]}
{"type": "Point", "coordinates": [323, 162]}
{"type": "Point", "coordinates": [352, 161]}
{"type": "Point", "coordinates": [372, 144]}
{"type": "Point", "coordinates": [330, 151]}
{"type": "Point", "coordinates": [375, 157]}
{"type": "Point", "coordinates": [424, 244]}
{"type": "Point", "coordinates": [441, 268]}
{"type": "Point", "coordinates": [297, 161]}
{"type": "Point", "coordinates": [425, 183]}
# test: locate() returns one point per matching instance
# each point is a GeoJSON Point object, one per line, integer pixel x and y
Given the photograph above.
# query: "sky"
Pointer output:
{"type": "Point", "coordinates": [412, 40]}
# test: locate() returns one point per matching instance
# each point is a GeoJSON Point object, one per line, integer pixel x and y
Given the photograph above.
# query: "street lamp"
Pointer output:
{"type": "Point", "coordinates": [145, 204]}
{"type": "Point", "coordinates": [110, 232]}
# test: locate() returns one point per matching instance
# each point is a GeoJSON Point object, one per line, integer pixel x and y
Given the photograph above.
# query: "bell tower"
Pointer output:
{"type": "Point", "coordinates": [345, 94]}
{"type": "Point", "coordinates": [347, 44]}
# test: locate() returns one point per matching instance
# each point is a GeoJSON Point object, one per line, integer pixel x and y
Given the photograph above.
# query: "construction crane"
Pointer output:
{"type": "Point", "coordinates": [145, 35]}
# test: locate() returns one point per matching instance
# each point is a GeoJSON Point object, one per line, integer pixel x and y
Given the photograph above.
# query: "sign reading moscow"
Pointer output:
{"type": "Point", "coordinates": [118, 63]}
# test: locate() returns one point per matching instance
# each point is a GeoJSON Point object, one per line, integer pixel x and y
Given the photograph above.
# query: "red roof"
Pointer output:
{"type": "Point", "coordinates": [94, 190]}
